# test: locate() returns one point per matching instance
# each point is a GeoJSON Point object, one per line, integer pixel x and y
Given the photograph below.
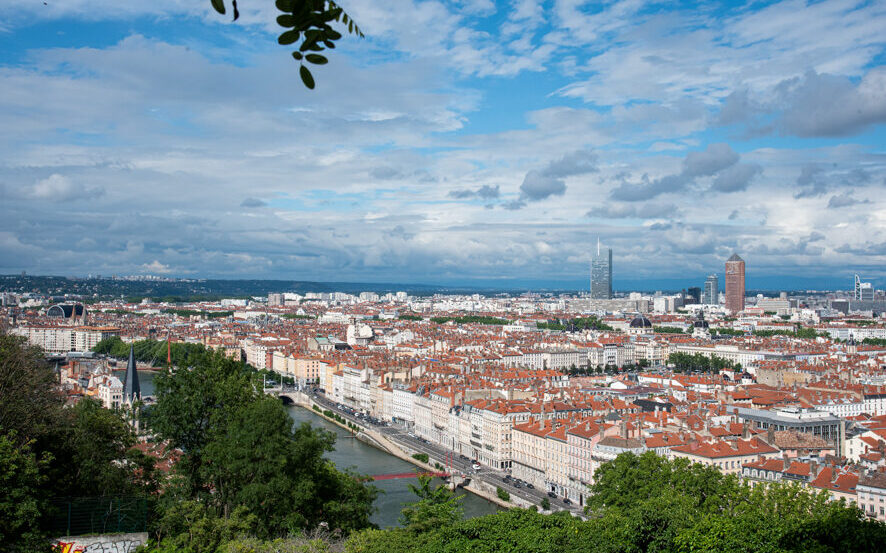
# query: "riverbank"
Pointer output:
{"type": "Point", "coordinates": [383, 443]}
{"type": "Point", "coordinates": [363, 457]}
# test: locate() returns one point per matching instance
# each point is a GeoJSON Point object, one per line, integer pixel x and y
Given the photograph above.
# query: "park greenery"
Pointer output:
{"type": "Point", "coordinates": [152, 352]}
{"type": "Point", "coordinates": [800, 332]}
{"type": "Point", "coordinates": [875, 342]}
{"type": "Point", "coordinates": [686, 362]}
{"type": "Point", "coordinates": [579, 323]}
{"type": "Point", "coordinates": [723, 331]}
{"type": "Point", "coordinates": [195, 313]}
{"type": "Point", "coordinates": [410, 317]}
{"type": "Point", "coordinates": [469, 319]}
{"type": "Point", "coordinates": [668, 330]}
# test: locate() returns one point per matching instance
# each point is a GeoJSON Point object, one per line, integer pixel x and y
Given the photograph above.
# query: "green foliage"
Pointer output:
{"type": "Point", "coordinates": [193, 527]}
{"type": "Point", "coordinates": [50, 451]}
{"type": "Point", "coordinates": [423, 457]}
{"type": "Point", "coordinates": [308, 21]}
{"type": "Point", "coordinates": [800, 332]}
{"type": "Point", "coordinates": [546, 504]}
{"type": "Point", "coordinates": [668, 330]}
{"type": "Point", "coordinates": [242, 454]}
{"type": "Point", "coordinates": [580, 323]}
{"type": "Point", "coordinates": [184, 354]}
{"type": "Point", "coordinates": [502, 494]}
{"type": "Point", "coordinates": [699, 362]}
{"type": "Point", "coordinates": [875, 341]}
{"type": "Point", "coordinates": [471, 319]}
{"type": "Point", "coordinates": [649, 504]}
{"type": "Point", "coordinates": [205, 314]}
{"type": "Point", "coordinates": [22, 502]}
{"type": "Point", "coordinates": [726, 331]}
{"type": "Point", "coordinates": [410, 317]}
{"type": "Point", "coordinates": [436, 507]}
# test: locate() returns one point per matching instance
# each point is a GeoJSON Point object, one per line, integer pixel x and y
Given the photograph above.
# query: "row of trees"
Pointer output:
{"type": "Point", "coordinates": [477, 319]}
{"type": "Point", "coordinates": [698, 362]}
{"type": "Point", "coordinates": [195, 313]}
{"type": "Point", "coordinates": [579, 323]}
{"type": "Point", "coordinates": [800, 332]}
{"type": "Point", "coordinates": [153, 352]}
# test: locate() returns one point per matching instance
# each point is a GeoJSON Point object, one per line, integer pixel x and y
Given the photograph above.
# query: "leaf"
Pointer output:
{"type": "Point", "coordinates": [332, 34]}
{"type": "Point", "coordinates": [286, 21]}
{"type": "Point", "coordinates": [219, 6]}
{"type": "Point", "coordinates": [306, 77]}
{"type": "Point", "coordinates": [317, 59]}
{"type": "Point", "coordinates": [297, 55]}
{"type": "Point", "coordinates": [285, 5]}
{"type": "Point", "coordinates": [288, 37]}
{"type": "Point", "coordinates": [236, 11]}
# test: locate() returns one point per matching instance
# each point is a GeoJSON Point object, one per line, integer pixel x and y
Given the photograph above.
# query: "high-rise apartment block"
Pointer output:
{"type": "Point", "coordinates": [601, 274]}
{"type": "Point", "coordinates": [735, 284]}
{"type": "Point", "coordinates": [711, 294]}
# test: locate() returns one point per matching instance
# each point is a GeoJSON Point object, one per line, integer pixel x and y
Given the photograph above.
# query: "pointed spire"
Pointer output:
{"type": "Point", "coordinates": [131, 389]}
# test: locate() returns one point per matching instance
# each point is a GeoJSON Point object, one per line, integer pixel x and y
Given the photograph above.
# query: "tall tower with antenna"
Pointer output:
{"type": "Point", "coordinates": [601, 273]}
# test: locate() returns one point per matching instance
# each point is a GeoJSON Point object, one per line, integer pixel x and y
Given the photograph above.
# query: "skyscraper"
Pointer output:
{"type": "Point", "coordinates": [864, 291]}
{"type": "Point", "coordinates": [601, 274]}
{"type": "Point", "coordinates": [735, 284]}
{"type": "Point", "coordinates": [711, 294]}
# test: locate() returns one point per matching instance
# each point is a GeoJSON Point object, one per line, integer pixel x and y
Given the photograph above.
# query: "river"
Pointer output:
{"type": "Point", "coordinates": [365, 459]}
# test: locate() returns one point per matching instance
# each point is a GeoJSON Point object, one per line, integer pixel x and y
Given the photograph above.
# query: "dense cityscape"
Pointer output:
{"type": "Point", "coordinates": [442, 276]}
{"type": "Point", "coordinates": [533, 391]}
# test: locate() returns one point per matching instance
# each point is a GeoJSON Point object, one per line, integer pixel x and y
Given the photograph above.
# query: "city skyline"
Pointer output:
{"type": "Point", "coordinates": [160, 138]}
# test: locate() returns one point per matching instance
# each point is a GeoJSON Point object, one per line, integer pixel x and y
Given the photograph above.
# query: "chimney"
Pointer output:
{"type": "Point", "coordinates": [770, 435]}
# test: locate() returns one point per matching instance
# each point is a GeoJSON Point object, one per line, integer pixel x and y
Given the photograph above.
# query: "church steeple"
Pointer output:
{"type": "Point", "coordinates": [131, 389]}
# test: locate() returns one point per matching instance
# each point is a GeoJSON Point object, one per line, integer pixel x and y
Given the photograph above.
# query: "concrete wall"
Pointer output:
{"type": "Point", "coordinates": [105, 543]}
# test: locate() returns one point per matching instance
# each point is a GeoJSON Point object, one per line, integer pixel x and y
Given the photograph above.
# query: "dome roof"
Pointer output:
{"type": "Point", "coordinates": [641, 322]}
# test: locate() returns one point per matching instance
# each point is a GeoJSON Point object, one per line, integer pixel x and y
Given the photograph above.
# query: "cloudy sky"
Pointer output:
{"type": "Point", "coordinates": [464, 142]}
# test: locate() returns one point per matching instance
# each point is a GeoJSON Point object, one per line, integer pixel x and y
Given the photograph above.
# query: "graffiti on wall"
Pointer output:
{"type": "Point", "coordinates": [121, 543]}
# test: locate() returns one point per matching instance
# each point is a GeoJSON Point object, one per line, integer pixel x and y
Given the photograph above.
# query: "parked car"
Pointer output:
{"type": "Point", "coordinates": [476, 466]}
{"type": "Point", "coordinates": [566, 501]}
{"type": "Point", "coordinates": [552, 495]}
{"type": "Point", "coordinates": [530, 486]}
{"type": "Point", "coordinates": [518, 485]}
{"type": "Point", "coordinates": [507, 478]}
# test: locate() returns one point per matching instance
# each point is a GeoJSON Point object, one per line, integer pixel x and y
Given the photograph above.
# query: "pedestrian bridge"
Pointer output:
{"type": "Point", "coordinates": [409, 475]}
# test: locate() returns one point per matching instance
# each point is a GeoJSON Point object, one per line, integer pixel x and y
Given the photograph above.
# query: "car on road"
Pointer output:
{"type": "Point", "coordinates": [566, 501]}
{"type": "Point", "coordinates": [507, 478]}
{"type": "Point", "coordinates": [476, 466]}
{"type": "Point", "coordinates": [530, 486]}
{"type": "Point", "coordinates": [552, 495]}
{"type": "Point", "coordinates": [518, 485]}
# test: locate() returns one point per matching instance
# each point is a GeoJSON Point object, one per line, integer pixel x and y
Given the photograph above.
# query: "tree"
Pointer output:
{"type": "Point", "coordinates": [436, 507]}
{"type": "Point", "coordinates": [546, 504]}
{"type": "Point", "coordinates": [241, 451]}
{"type": "Point", "coordinates": [23, 500]}
{"type": "Point", "coordinates": [308, 23]}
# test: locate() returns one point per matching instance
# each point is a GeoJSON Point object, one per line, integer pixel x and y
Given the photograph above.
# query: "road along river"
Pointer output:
{"type": "Point", "coordinates": [365, 459]}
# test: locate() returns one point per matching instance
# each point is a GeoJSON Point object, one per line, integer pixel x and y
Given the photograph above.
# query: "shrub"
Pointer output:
{"type": "Point", "coordinates": [502, 494]}
{"type": "Point", "coordinates": [423, 457]}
